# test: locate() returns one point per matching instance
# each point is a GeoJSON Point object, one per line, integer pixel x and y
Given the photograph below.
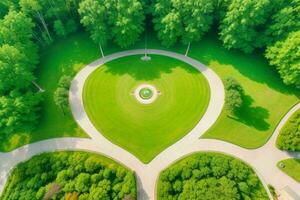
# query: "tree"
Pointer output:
{"type": "Point", "coordinates": [18, 111]}
{"type": "Point", "coordinates": [241, 27]}
{"type": "Point", "coordinates": [14, 69]}
{"type": "Point", "coordinates": [289, 137]}
{"type": "Point", "coordinates": [285, 56]}
{"type": "Point", "coordinates": [121, 20]}
{"type": "Point", "coordinates": [34, 8]}
{"type": "Point", "coordinates": [16, 29]}
{"type": "Point", "coordinates": [182, 20]}
{"type": "Point", "coordinates": [61, 94]}
{"type": "Point", "coordinates": [234, 95]}
{"type": "Point", "coordinates": [284, 20]}
{"type": "Point", "coordinates": [94, 16]}
{"type": "Point", "coordinates": [229, 178]}
{"type": "Point", "coordinates": [59, 28]}
{"type": "Point", "coordinates": [127, 21]}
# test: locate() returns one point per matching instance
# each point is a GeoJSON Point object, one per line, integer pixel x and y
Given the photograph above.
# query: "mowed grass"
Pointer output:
{"type": "Point", "coordinates": [267, 99]}
{"type": "Point", "coordinates": [291, 168]}
{"type": "Point", "coordinates": [64, 57]}
{"type": "Point", "coordinates": [145, 130]}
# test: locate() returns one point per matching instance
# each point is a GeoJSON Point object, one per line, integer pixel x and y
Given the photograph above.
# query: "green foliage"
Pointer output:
{"type": "Point", "coordinates": [285, 56]}
{"type": "Point", "coordinates": [119, 20]}
{"type": "Point", "coordinates": [18, 111]}
{"type": "Point", "coordinates": [182, 20]}
{"type": "Point", "coordinates": [61, 94]}
{"type": "Point", "coordinates": [234, 95]}
{"type": "Point", "coordinates": [15, 69]}
{"type": "Point", "coordinates": [289, 137]}
{"type": "Point", "coordinates": [16, 29]}
{"type": "Point", "coordinates": [47, 14]}
{"type": "Point", "coordinates": [18, 56]}
{"type": "Point", "coordinates": [37, 177]}
{"type": "Point", "coordinates": [242, 24]}
{"type": "Point", "coordinates": [284, 20]}
{"type": "Point", "coordinates": [213, 176]}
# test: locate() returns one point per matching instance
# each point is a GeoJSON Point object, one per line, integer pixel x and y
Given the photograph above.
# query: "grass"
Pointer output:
{"type": "Point", "coordinates": [145, 130]}
{"type": "Point", "coordinates": [267, 100]}
{"type": "Point", "coordinates": [291, 168]}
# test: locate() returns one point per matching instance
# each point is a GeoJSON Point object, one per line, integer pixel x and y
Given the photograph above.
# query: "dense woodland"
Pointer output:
{"type": "Point", "coordinates": [29, 25]}
{"type": "Point", "coordinates": [70, 175]}
{"type": "Point", "coordinates": [210, 176]}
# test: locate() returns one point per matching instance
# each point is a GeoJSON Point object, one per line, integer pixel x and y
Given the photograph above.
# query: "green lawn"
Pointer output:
{"type": "Point", "coordinates": [291, 168]}
{"type": "Point", "coordinates": [268, 99]}
{"type": "Point", "coordinates": [145, 129]}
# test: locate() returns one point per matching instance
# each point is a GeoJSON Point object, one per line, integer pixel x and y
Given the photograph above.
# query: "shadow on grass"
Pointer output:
{"type": "Point", "coordinates": [254, 116]}
{"type": "Point", "coordinates": [253, 66]}
{"type": "Point", "coordinates": [147, 70]}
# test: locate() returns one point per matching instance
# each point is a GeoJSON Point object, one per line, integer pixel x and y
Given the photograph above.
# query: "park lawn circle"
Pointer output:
{"type": "Point", "coordinates": [145, 129]}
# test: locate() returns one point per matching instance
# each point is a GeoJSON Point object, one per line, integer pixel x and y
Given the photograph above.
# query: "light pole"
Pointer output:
{"type": "Point", "coordinates": [146, 57]}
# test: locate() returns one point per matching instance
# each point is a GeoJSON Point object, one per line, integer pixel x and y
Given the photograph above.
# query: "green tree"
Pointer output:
{"type": "Point", "coordinates": [35, 9]}
{"type": "Point", "coordinates": [59, 28]}
{"type": "Point", "coordinates": [284, 20]}
{"type": "Point", "coordinates": [61, 94]}
{"type": "Point", "coordinates": [121, 20]}
{"type": "Point", "coordinates": [182, 20]}
{"type": "Point", "coordinates": [285, 56]}
{"type": "Point", "coordinates": [243, 22]}
{"type": "Point", "coordinates": [18, 111]}
{"type": "Point", "coordinates": [14, 69]}
{"type": "Point", "coordinates": [289, 137]}
{"type": "Point", "coordinates": [16, 29]}
{"type": "Point", "coordinates": [126, 20]}
{"type": "Point", "coordinates": [234, 95]}
{"type": "Point", "coordinates": [94, 17]}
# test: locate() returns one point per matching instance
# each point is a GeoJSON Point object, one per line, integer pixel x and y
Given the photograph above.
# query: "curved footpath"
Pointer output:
{"type": "Point", "coordinates": [263, 159]}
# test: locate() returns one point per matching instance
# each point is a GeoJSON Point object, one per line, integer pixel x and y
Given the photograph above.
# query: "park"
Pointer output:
{"type": "Point", "coordinates": [149, 99]}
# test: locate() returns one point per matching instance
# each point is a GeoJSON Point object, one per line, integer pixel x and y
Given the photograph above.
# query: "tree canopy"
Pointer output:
{"type": "Point", "coordinates": [285, 56]}
{"type": "Point", "coordinates": [121, 20]}
{"type": "Point", "coordinates": [210, 176]}
{"type": "Point", "coordinates": [234, 95]}
{"type": "Point", "coordinates": [187, 21]}
{"type": "Point", "coordinates": [243, 22]}
{"type": "Point", "coordinates": [61, 94]}
{"type": "Point", "coordinates": [19, 103]}
{"type": "Point", "coordinates": [80, 175]}
{"type": "Point", "coordinates": [289, 137]}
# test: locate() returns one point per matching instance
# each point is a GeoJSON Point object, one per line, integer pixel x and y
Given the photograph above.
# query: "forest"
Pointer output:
{"type": "Point", "coordinates": [70, 175]}
{"type": "Point", "coordinates": [210, 176]}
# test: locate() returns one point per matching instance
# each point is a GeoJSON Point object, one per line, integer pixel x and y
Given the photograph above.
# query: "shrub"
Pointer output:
{"type": "Point", "coordinates": [289, 136]}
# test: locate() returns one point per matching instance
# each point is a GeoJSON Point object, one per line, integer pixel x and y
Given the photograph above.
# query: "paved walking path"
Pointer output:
{"type": "Point", "coordinates": [263, 159]}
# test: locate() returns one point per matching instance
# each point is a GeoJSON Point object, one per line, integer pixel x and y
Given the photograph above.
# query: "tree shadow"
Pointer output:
{"type": "Point", "coordinates": [253, 66]}
{"type": "Point", "coordinates": [254, 116]}
{"type": "Point", "coordinates": [147, 70]}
